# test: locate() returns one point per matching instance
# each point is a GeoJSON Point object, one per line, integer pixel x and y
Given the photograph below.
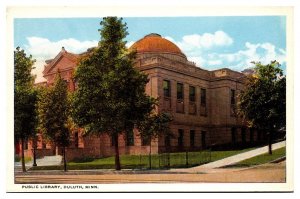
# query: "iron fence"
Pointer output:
{"type": "Point", "coordinates": [174, 160]}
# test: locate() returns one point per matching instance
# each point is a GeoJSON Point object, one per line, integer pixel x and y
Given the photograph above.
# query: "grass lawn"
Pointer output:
{"type": "Point", "coordinates": [18, 159]}
{"type": "Point", "coordinates": [158, 161]}
{"type": "Point", "coordinates": [261, 159]}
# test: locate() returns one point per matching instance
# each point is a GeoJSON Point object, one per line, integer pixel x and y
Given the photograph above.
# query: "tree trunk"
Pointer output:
{"type": "Point", "coordinates": [270, 141]}
{"type": "Point", "coordinates": [117, 155]}
{"type": "Point", "coordinates": [22, 156]}
{"type": "Point", "coordinates": [64, 159]}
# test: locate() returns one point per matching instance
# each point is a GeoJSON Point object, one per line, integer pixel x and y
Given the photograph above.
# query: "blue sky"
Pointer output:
{"type": "Point", "coordinates": [211, 42]}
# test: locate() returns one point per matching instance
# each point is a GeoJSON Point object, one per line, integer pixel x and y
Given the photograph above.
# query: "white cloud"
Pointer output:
{"type": "Point", "coordinates": [46, 49]}
{"type": "Point", "coordinates": [199, 48]}
{"type": "Point", "coordinates": [129, 44]}
{"type": "Point", "coordinates": [198, 60]}
{"type": "Point", "coordinates": [204, 41]}
{"type": "Point", "coordinates": [196, 45]}
{"type": "Point", "coordinates": [42, 49]}
{"type": "Point", "coordinates": [263, 52]}
{"type": "Point", "coordinates": [215, 62]}
{"type": "Point", "coordinates": [170, 39]}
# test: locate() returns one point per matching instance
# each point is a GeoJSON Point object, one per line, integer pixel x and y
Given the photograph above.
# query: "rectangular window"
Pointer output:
{"type": "Point", "coordinates": [25, 144]}
{"type": "Point", "coordinates": [232, 96]}
{"type": "Point", "coordinates": [145, 141]}
{"type": "Point", "coordinates": [203, 97]}
{"type": "Point", "coordinates": [251, 135]}
{"type": "Point", "coordinates": [180, 137]}
{"type": "Point", "coordinates": [192, 93]}
{"type": "Point", "coordinates": [44, 145]}
{"type": "Point", "coordinates": [179, 91]}
{"type": "Point", "coordinates": [167, 141]}
{"type": "Point", "coordinates": [192, 138]}
{"type": "Point", "coordinates": [259, 135]}
{"type": "Point", "coordinates": [167, 88]}
{"type": "Point", "coordinates": [112, 141]}
{"type": "Point", "coordinates": [76, 139]}
{"type": "Point", "coordinates": [233, 134]}
{"type": "Point", "coordinates": [243, 134]}
{"type": "Point", "coordinates": [203, 139]}
{"type": "Point", "coordinates": [130, 138]}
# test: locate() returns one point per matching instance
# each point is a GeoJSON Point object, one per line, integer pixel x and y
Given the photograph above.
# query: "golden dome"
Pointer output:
{"type": "Point", "coordinates": [154, 43]}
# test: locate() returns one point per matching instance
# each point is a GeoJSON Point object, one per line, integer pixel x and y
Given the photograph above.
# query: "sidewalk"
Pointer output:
{"type": "Point", "coordinates": [209, 167]}
{"type": "Point", "coordinates": [45, 161]}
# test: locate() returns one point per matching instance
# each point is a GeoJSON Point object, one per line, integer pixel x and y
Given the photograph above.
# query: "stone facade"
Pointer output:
{"type": "Point", "coordinates": [202, 102]}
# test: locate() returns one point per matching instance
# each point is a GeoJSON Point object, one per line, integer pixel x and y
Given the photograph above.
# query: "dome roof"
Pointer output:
{"type": "Point", "coordinates": [154, 43]}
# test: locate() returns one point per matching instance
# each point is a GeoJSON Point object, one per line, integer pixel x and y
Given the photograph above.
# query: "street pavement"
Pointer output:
{"type": "Point", "coordinates": [263, 173]}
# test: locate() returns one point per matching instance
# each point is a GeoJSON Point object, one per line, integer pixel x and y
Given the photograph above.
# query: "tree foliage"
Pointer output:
{"type": "Point", "coordinates": [155, 125]}
{"type": "Point", "coordinates": [25, 95]}
{"type": "Point", "coordinates": [111, 93]}
{"type": "Point", "coordinates": [53, 110]}
{"type": "Point", "coordinates": [25, 98]}
{"type": "Point", "coordinates": [263, 101]}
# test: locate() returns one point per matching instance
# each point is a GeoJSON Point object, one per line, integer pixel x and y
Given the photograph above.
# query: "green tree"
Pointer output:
{"type": "Point", "coordinates": [155, 125]}
{"type": "Point", "coordinates": [111, 95]}
{"type": "Point", "coordinates": [263, 101]}
{"type": "Point", "coordinates": [53, 110]}
{"type": "Point", "coordinates": [25, 98]}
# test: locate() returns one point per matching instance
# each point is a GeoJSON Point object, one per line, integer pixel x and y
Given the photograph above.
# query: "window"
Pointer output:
{"type": "Point", "coordinates": [76, 139]}
{"type": "Point", "coordinates": [192, 93]}
{"type": "Point", "coordinates": [203, 97]}
{"type": "Point", "coordinates": [167, 141]}
{"type": "Point", "coordinates": [251, 135]}
{"type": "Point", "coordinates": [232, 96]}
{"type": "Point", "coordinates": [145, 141]}
{"type": "Point", "coordinates": [112, 141]}
{"type": "Point", "coordinates": [259, 135]}
{"type": "Point", "coordinates": [130, 138]}
{"type": "Point", "coordinates": [44, 145]}
{"type": "Point", "coordinates": [192, 138]}
{"type": "Point", "coordinates": [203, 139]}
{"type": "Point", "coordinates": [25, 144]}
{"type": "Point", "coordinates": [167, 88]}
{"type": "Point", "coordinates": [233, 134]}
{"type": "Point", "coordinates": [243, 134]}
{"type": "Point", "coordinates": [179, 91]}
{"type": "Point", "coordinates": [180, 137]}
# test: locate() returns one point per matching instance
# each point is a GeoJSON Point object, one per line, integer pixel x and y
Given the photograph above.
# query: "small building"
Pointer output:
{"type": "Point", "coordinates": [202, 103]}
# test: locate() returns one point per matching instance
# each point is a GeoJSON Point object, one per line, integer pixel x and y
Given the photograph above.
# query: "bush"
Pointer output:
{"type": "Point", "coordinates": [83, 159]}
